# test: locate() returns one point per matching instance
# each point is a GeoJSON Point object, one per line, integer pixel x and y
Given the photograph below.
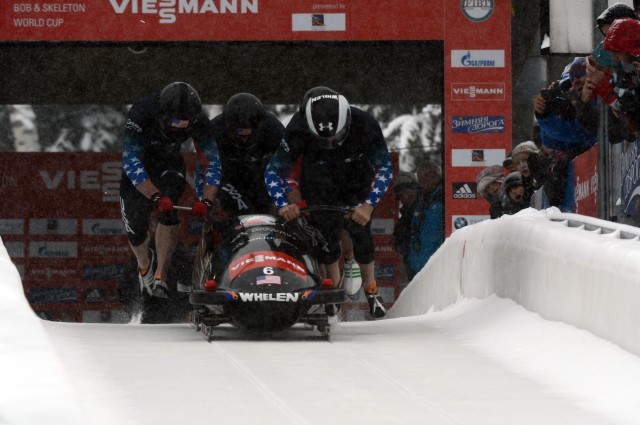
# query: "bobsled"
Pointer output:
{"type": "Point", "coordinates": [257, 273]}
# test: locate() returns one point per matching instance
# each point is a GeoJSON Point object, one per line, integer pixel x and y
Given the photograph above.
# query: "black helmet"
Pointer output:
{"type": "Point", "coordinates": [243, 114]}
{"type": "Point", "coordinates": [328, 116]}
{"type": "Point", "coordinates": [179, 107]}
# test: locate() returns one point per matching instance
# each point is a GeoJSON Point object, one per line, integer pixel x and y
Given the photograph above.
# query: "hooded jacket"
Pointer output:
{"type": "Point", "coordinates": [624, 36]}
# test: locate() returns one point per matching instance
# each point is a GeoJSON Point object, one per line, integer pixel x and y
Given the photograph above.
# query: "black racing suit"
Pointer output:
{"type": "Point", "coordinates": [242, 188]}
{"type": "Point", "coordinates": [358, 171]}
{"type": "Point", "coordinates": [148, 154]}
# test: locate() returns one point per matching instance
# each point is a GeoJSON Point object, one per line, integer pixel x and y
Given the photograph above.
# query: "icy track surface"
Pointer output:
{"type": "Point", "coordinates": [478, 362]}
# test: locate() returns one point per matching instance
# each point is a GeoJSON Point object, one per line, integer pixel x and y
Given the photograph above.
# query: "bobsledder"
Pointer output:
{"type": "Point", "coordinates": [256, 272]}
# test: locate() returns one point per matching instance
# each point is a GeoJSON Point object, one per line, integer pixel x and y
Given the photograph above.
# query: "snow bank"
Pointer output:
{"type": "Point", "coordinates": [35, 389]}
{"type": "Point", "coordinates": [582, 276]}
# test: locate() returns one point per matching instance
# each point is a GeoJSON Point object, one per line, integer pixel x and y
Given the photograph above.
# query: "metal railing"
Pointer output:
{"type": "Point", "coordinates": [595, 225]}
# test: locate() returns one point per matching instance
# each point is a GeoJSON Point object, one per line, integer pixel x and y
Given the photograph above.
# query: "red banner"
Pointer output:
{"type": "Point", "coordinates": [213, 20]}
{"type": "Point", "coordinates": [477, 117]}
{"type": "Point", "coordinates": [585, 179]}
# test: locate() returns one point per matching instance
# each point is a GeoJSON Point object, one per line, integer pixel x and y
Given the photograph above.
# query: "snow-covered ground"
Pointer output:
{"type": "Point", "coordinates": [479, 361]}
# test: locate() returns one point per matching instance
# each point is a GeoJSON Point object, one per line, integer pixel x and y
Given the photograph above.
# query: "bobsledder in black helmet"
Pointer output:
{"type": "Point", "coordinates": [328, 116]}
{"type": "Point", "coordinates": [243, 114]}
{"type": "Point", "coordinates": [179, 107]}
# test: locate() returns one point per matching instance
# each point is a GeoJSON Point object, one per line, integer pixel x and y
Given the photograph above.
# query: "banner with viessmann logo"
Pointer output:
{"type": "Point", "coordinates": [477, 109]}
{"type": "Point", "coordinates": [193, 20]}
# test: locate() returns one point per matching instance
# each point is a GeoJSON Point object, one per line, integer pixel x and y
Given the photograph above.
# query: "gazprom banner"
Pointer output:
{"type": "Point", "coordinates": [238, 20]}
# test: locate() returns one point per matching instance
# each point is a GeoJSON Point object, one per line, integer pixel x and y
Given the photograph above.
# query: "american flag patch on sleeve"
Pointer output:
{"type": "Point", "coordinates": [178, 123]}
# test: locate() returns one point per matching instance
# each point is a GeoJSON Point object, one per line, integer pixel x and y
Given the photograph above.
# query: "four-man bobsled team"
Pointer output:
{"type": "Point", "coordinates": [330, 153]}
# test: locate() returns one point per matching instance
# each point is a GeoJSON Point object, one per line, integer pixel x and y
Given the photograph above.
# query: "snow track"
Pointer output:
{"type": "Point", "coordinates": [407, 371]}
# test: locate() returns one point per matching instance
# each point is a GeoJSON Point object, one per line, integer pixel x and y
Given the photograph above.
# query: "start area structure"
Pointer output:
{"type": "Point", "coordinates": [456, 53]}
{"type": "Point", "coordinates": [453, 52]}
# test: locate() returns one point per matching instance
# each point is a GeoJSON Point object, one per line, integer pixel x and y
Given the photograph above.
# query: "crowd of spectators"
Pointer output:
{"type": "Point", "coordinates": [539, 173]}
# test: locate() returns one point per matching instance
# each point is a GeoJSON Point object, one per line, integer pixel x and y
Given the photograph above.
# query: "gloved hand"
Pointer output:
{"type": "Point", "coordinates": [201, 208]}
{"type": "Point", "coordinates": [162, 203]}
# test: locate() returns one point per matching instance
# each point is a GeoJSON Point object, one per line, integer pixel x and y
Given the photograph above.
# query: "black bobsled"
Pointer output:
{"type": "Point", "coordinates": [259, 275]}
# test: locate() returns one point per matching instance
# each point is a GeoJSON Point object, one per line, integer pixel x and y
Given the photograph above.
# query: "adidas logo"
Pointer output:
{"type": "Point", "coordinates": [463, 191]}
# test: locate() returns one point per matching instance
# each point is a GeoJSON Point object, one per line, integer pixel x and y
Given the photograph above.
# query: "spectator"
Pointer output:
{"type": "Point", "coordinates": [508, 163]}
{"type": "Point", "coordinates": [521, 157]}
{"type": "Point", "coordinates": [427, 223]}
{"type": "Point", "coordinates": [601, 63]}
{"type": "Point", "coordinates": [555, 111]}
{"type": "Point", "coordinates": [489, 183]}
{"type": "Point", "coordinates": [406, 191]}
{"type": "Point", "coordinates": [513, 194]}
{"type": "Point", "coordinates": [621, 91]}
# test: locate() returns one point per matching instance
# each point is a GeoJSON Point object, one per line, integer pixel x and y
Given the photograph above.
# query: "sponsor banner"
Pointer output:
{"type": "Point", "coordinates": [477, 59]}
{"type": "Point", "coordinates": [460, 221]}
{"type": "Point", "coordinates": [477, 157]}
{"type": "Point", "coordinates": [52, 273]}
{"type": "Point", "coordinates": [630, 179]}
{"type": "Point", "coordinates": [477, 10]}
{"type": "Point", "coordinates": [382, 226]}
{"type": "Point", "coordinates": [12, 227]}
{"type": "Point", "coordinates": [477, 125]}
{"type": "Point", "coordinates": [585, 180]}
{"type": "Point", "coordinates": [219, 20]}
{"type": "Point", "coordinates": [53, 226]}
{"type": "Point", "coordinates": [384, 248]}
{"type": "Point", "coordinates": [266, 260]}
{"type": "Point", "coordinates": [15, 249]}
{"type": "Point", "coordinates": [52, 295]}
{"type": "Point", "coordinates": [384, 271]}
{"type": "Point", "coordinates": [268, 296]}
{"type": "Point", "coordinates": [53, 249]}
{"type": "Point", "coordinates": [466, 190]}
{"type": "Point", "coordinates": [117, 249]}
{"type": "Point", "coordinates": [478, 91]}
{"type": "Point", "coordinates": [103, 227]}
{"type": "Point", "coordinates": [318, 22]}
{"type": "Point", "coordinates": [104, 316]}
{"type": "Point", "coordinates": [103, 272]}
{"type": "Point", "coordinates": [94, 295]}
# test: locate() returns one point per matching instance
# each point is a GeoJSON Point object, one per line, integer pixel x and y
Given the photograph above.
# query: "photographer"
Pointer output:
{"type": "Point", "coordinates": [561, 112]}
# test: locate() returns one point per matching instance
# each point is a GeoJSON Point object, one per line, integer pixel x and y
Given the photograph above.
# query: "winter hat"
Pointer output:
{"type": "Point", "coordinates": [523, 149]}
{"type": "Point", "coordinates": [404, 180]}
{"type": "Point", "coordinates": [512, 180]}
{"type": "Point", "coordinates": [615, 11]}
{"type": "Point", "coordinates": [577, 68]}
{"type": "Point", "coordinates": [494, 173]}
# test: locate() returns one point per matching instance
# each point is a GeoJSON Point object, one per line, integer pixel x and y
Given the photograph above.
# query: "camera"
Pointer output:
{"type": "Point", "coordinates": [558, 102]}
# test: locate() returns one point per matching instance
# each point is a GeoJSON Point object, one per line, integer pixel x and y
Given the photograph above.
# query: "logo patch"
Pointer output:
{"type": "Point", "coordinates": [478, 91]}
{"type": "Point", "coordinates": [466, 190]}
{"type": "Point", "coordinates": [477, 157]}
{"type": "Point", "coordinates": [477, 10]}
{"type": "Point", "coordinates": [478, 124]}
{"type": "Point", "coordinates": [477, 59]}
{"type": "Point", "coordinates": [266, 259]}
{"type": "Point", "coordinates": [460, 221]}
